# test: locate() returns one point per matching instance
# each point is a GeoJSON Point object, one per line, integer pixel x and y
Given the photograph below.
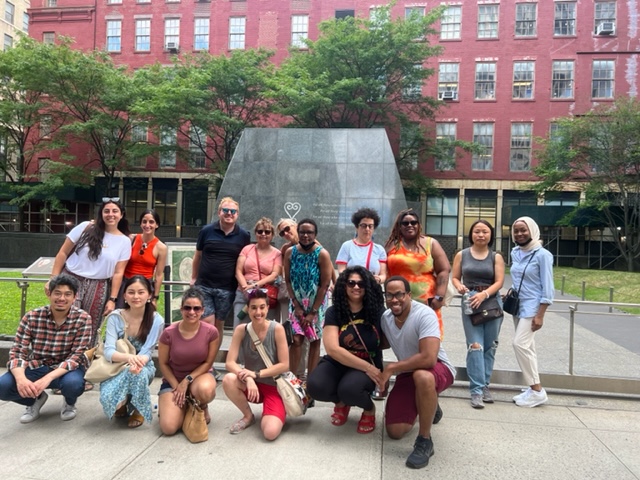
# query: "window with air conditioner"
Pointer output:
{"type": "Point", "coordinates": [606, 28]}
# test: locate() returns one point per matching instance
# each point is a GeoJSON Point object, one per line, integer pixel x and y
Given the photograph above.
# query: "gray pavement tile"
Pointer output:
{"type": "Point", "coordinates": [625, 447]}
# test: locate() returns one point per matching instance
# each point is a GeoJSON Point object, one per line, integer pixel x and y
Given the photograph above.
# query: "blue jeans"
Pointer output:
{"type": "Point", "coordinates": [480, 360]}
{"type": "Point", "coordinates": [71, 385]}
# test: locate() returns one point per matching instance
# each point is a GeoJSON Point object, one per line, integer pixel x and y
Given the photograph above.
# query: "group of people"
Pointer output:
{"type": "Point", "coordinates": [101, 270]}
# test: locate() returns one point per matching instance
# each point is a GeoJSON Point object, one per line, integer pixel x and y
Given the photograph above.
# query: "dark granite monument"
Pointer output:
{"type": "Point", "coordinates": [324, 174]}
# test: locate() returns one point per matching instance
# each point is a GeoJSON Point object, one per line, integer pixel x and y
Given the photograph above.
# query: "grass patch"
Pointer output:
{"type": "Point", "coordinates": [11, 297]}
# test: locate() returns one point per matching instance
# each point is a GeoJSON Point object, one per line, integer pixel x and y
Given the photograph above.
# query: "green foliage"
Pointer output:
{"type": "Point", "coordinates": [599, 152]}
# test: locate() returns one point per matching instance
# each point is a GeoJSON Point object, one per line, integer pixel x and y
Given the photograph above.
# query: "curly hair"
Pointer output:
{"type": "Point", "coordinates": [93, 235]}
{"type": "Point", "coordinates": [373, 300]}
{"type": "Point", "coordinates": [395, 237]}
{"type": "Point", "coordinates": [362, 213]}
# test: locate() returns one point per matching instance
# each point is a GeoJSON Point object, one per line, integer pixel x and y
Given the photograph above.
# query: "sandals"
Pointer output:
{"type": "Point", "coordinates": [123, 411]}
{"type": "Point", "coordinates": [207, 416]}
{"type": "Point", "coordinates": [339, 415]}
{"type": "Point", "coordinates": [135, 419]}
{"type": "Point", "coordinates": [242, 425]}
{"type": "Point", "coordinates": [367, 423]}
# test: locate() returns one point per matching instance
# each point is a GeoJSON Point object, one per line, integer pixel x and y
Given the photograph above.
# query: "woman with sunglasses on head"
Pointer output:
{"type": "Point", "coordinates": [127, 394]}
{"type": "Point", "coordinates": [254, 382]}
{"type": "Point", "coordinates": [420, 259]}
{"type": "Point", "coordinates": [259, 264]}
{"type": "Point", "coordinates": [96, 253]}
{"type": "Point", "coordinates": [350, 371]}
{"type": "Point", "coordinates": [361, 250]}
{"type": "Point", "coordinates": [148, 256]}
{"type": "Point", "coordinates": [186, 352]}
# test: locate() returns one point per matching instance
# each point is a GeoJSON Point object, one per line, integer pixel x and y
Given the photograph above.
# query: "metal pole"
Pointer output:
{"type": "Point", "coordinates": [564, 277]}
{"type": "Point", "coordinates": [167, 297]}
{"type": "Point", "coordinates": [22, 285]}
{"type": "Point", "coordinates": [611, 299]}
{"type": "Point", "coordinates": [572, 311]}
{"type": "Point", "coordinates": [584, 287]}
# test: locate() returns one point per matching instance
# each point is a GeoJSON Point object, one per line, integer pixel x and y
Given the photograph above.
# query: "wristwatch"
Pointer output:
{"type": "Point", "coordinates": [313, 311]}
{"type": "Point", "coordinates": [113, 299]}
{"type": "Point", "coordinates": [156, 297]}
{"type": "Point", "coordinates": [257, 372]}
{"type": "Point", "coordinates": [189, 378]}
{"type": "Point", "coordinates": [438, 298]}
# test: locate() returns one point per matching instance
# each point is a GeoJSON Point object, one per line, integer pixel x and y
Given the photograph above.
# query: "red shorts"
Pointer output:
{"type": "Point", "coordinates": [401, 402]}
{"type": "Point", "coordinates": [271, 401]}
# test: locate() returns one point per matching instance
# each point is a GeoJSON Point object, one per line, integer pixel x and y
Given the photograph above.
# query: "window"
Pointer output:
{"type": "Point", "coordinates": [378, 15]}
{"type": "Point", "coordinates": [448, 77]}
{"type": "Point", "coordinates": [114, 35]}
{"type": "Point", "coordinates": [112, 2]}
{"type": "Point", "coordinates": [415, 12]}
{"type": "Point", "coordinates": [602, 79]}
{"type": "Point", "coordinates": [523, 74]}
{"type": "Point", "coordinates": [605, 13]}
{"type": "Point", "coordinates": [445, 136]}
{"type": "Point", "coordinates": [565, 18]}
{"type": "Point", "coordinates": [25, 22]}
{"type": "Point", "coordinates": [526, 19]}
{"type": "Point", "coordinates": [165, 203]}
{"type": "Point", "coordinates": [9, 12]}
{"type": "Point", "coordinates": [139, 133]}
{"type": "Point", "coordinates": [48, 38]}
{"type": "Point", "coordinates": [201, 34]}
{"type": "Point", "coordinates": [8, 41]}
{"type": "Point", "coordinates": [488, 21]}
{"type": "Point", "coordinates": [340, 14]}
{"type": "Point", "coordinates": [483, 136]}
{"type": "Point", "coordinates": [197, 142]}
{"type": "Point", "coordinates": [52, 3]}
{"type": "Point", "coordinates": [44, 169]}
{"type": "Point", "coordinates": [520, 155]}
{"type": "Point", "coordinates": [485, 81]}
{"type": "Point", "coordinates": [135, 196]}
{"type": "Point", "coordinates": [562, 79]}
{"type": "Point", "coordinates": [168, 154]}
{"type": "Point", "coordinates": [45, 126]}
{"type": "Point", "coordinates": [299, 30]}
{"type": "Point", "coordinates": [171, 33]}
{"type": "Point", "coordinates": [442, 214]}
{"type": "Point", "coordinates": [143, 35]}
{"type": "Point", "coordinates": [412, 87]}
{"type": "Point", "coordinates": [237, 27]}
{"type": "Point", "coordinates": [479, 204]}
{"type": "Point", "coordinates": [411, 139]}
{"type": "Point", "coordinates": [450, 24]}
{"type": "Point", "coordinates": [143, 1]}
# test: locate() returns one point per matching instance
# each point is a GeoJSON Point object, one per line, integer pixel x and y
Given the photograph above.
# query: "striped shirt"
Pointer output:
{"type": "Point", "coordinates": [40, 342]}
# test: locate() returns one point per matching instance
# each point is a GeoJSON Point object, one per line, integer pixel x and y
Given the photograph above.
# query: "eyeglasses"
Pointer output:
{"type": "Point", "coordinates": [188, 308]}
{"type": "Point", "coordinates": [306, 232]}
{"type": "Point", "coordinates": [228, 211]}
{"type": "Point", "coordinates": [143, 248]}
{"type": "Point", "coordinates": [285, 230]}
{"type": "Point", "coordinates": [110, 199]}
{"type": "Point", "coordinates": [407, 223]}
{"type": "Point", "coordinates": [264, 232]}
{"type": "Point", "coordinates": [59, 294]}
{"type": "Point", "coordinates": [368, 226]}
{"type": "Point", "coordinates": [398, 296]}
{"type": "Point", "coordinates": [355, 283]}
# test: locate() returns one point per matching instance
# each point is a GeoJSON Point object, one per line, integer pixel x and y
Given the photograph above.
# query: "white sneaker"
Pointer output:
{"type": "Point", "coordinates": [68, 412]}
{"type": "Point", "coordinates": [525, 391]}
{"type": "Point", "coordinates": [533, 399]}
{"type": "Point", "coordinates": [33, 411]}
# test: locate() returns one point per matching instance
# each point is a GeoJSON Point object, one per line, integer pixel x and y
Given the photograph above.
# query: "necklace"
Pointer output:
{"type": "Point", "coordinates": [411, 248]}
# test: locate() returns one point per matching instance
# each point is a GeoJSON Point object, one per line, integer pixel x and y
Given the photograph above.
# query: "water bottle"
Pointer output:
{"type": "Point", "coordinates": [466, 304]}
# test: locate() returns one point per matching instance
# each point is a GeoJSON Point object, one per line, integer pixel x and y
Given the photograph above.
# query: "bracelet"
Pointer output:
{"type": "Point", "coordinates": [113, 299]}
{"type": "Point", "coordinates": [487, 294]}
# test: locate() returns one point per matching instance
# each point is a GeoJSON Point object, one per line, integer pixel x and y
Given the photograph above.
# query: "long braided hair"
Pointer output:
{"type": "Point", "coordinates": [373, 301]}
{"type": "Point", "coordinates": [395, 237]}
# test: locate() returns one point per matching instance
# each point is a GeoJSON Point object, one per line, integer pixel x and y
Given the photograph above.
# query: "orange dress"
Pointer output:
{"type": "Point", "coordinates": [418, 269]}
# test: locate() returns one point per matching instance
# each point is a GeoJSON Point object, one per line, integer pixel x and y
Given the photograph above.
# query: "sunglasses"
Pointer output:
{"type": "Point", "coordinates": [407, 223]}
{"type": "Point", "coordinates": [263, 232]}
{"type": "Point", "coordinates": [231, 211]}
{"type": "Point", "coordinates": [143, 248]}
{"type": "Point", "coordinates": [110, 199]}
{"type": "Point", "coordinates": [252, 293]}
{"type": "Point", "coordinates": [188, 308]}
{"type": "Point", "coordinates": [355, 283]}
{"type": "Point", "coordinates": [285, 230]}
{"type": "Point", "coordinates": [397, 296]}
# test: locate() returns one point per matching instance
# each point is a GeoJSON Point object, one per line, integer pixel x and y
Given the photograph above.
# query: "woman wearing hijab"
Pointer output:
{"type": "Point", "coordinates": [532, 275]}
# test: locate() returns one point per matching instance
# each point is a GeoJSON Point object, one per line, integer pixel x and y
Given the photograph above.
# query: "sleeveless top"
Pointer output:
{"type": "Point", "coordinates": [144, 264]}
{"type": "Point", "coordinates": [304, 273]}
{"type": "Point", "coordinates": [477, 272]}
{"type": "Point", "coordinates": [253, 360]}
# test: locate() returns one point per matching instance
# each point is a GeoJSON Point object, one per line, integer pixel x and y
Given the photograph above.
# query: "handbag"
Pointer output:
{"type": "Point", "coordinates": [488, 310]}
{"type": "Point", "coordinates": [283, 293]}
{"type": "Point", "coordinates": [511, 301]}
{"type": "Point", "coordinates": [272, 290]}
{"type": "Point", "coordinates": [449, 294]}
{"type": "Point", "coordinates": [194, 425]}
{"type": "Point", "coordinates": [288, 331]}
{"type": "Point", "coordinates": [102, 369]}
{"type": "Point", "coordinates": [289, 386]}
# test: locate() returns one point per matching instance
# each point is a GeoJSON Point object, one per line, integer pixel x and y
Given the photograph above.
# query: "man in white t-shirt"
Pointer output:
{"type": "Point", "coordinates": [422, 370]}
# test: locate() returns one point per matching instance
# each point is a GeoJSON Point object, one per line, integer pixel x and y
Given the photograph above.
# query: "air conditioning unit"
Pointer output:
{"type": "Point", "coordinates": [172, 47]}
{"type": "Point", "coordinates": [448, 95]}
{"type": "Point", "coordinates": [606, 28]}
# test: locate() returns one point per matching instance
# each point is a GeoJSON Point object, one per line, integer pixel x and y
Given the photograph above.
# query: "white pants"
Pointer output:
{"type": "Point", "coordinates": [524, 346]}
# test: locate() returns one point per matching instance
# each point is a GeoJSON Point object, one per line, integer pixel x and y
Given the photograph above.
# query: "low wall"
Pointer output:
{"type": "Point", "coordinates": [21, 249]}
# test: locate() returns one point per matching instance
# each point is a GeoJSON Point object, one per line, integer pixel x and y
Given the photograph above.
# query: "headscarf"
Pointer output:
{"type": "Point", "coordinates": [534, 230]}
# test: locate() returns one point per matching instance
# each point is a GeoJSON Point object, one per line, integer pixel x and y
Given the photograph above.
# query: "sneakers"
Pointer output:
{"type": "Point", "coordinates": [487, 397]}
{"type": "Point", "coordinates": [422, 451]}
{"type": "Point", "coordinates": [476, 401]}
{"type": "Point", "coordinates": [532, 398]}
{"type": "Point", "coordinates": [33, 411]}
{"type": "Point", "coordinates": [438, 416]}
{"type": "Point", "coordinates": [525, 391]}
{"type": "Point", "coordinates": [68, 412]}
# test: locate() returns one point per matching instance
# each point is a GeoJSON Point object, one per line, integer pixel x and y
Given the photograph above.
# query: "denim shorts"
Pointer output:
{"type": "Point", "coordinates": [217, 301]}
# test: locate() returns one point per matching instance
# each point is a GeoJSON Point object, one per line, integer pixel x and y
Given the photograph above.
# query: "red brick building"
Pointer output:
{"type": "Point", "coordinates": [509, 68]}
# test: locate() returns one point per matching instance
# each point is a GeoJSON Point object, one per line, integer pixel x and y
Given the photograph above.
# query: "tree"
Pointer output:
{"type": "Point", "coordinates": [600, 152]}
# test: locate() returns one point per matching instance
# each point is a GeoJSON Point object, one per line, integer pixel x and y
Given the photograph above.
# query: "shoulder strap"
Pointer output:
{"type": "Point", "coordinates": [525, 269]}
{"type": "Point", "coordinates": [259, 347]}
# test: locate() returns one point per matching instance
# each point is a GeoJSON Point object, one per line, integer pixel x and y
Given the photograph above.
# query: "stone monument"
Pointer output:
{"type": "Point", "coordinates": [324, 174]}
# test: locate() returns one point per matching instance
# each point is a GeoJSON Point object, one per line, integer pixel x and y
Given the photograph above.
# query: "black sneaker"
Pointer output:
{"type": "Point", "coordinates": [438, 416]}
{"type": "Point", "coordinates": [422, 451]}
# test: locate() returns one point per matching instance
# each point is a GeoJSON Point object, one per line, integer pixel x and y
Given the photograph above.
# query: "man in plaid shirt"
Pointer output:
{"type": "Point", "coordinates": [48, 352]}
